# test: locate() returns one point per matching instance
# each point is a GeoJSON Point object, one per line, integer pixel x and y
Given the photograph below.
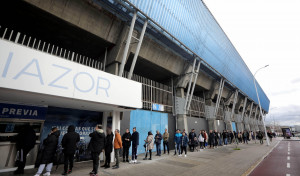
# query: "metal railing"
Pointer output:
{"type": "Point", "coordinates": [197, 108]}
{"type": "Point", "coordinates": [154, 93]}
{"type": "Point", "coordinates": [35, 43]}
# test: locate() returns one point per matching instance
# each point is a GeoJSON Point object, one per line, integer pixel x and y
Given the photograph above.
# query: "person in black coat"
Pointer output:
{"type": "Point", "coordinates": [126, 144]}
{"type": "Point", "coordinates": [96, 146]}
{"type": "Point", "coordinates": [211, 139]}
{"type": "Point", "coordinates": [158, 138]}
{"type": "Point", "coordinates": [25, 141]}
{"type": "Point", "coordinates": [69, 142]}
{"type": "Point", "coordinates": [108, 147]}
{"type": "Point", "coordinates": [192, 136]}
{"type": "Point", "coordinates": [49, 150]}
{"type": "Point", "coordinates": [135, 142]}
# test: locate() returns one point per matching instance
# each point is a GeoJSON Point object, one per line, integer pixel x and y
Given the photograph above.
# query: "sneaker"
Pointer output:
{"type": "Point", "coordinates": [46, 174]}
{"type": "Point", "coordinates": [106, 167]}
{"type": "Point", "coordinates": [179, 155]}
{"type": "Point", "coordinates": [150, 159]}
{"type": "Point", "coordinates": [135, 161]}
{"type": "Point", "coordinates": [127, 160]}
{"type": "Point", "coordinates": [65, 173]}
{"type": "Point", "coordinates": [184, 155]}
{"type": "Point", "coordinates": [144, 158]}
{"type": "Point", "coordinates": [123, 160]}
{"type": "Point", "coordinates": [131, 162]}
{"type": "Point", "coordinates": [116, 167]}
{"type": "Point", "coordinates": [69, 171]}
{"type": "Point", "coordinates": [37, 175]}
{"type": "Point", "coordinates": [91, 173]}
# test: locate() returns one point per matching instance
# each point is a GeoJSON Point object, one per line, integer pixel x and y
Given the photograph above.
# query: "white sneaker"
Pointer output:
{"type": "Point", "coordinates": [37, 175]}
{"type": "Point", "coordinates": [135, 161]}
{"type": "Point", "coordinates": [179, 155]}
{"type": "Point", "coordinates": [46, 174]}
{"type": "Point", "coordinates": [184, 155]}
{"type": "Point", "coordinates": [131, 162]}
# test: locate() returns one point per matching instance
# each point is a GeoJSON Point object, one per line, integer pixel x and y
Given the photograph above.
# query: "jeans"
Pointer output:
{"type": "Point", "coordinates": [95, 157]}
{"type": "Point", "coordinates": [225, 141]}
{"type": "Point", "coordinates": [245, 140]}
{"type": "Point", "coordinates": [229, 140]}
{"type": "Point", "coordinates": [134, 152]}
{"type": "Point", "coordinates": [261, 141]}
{"type": "Point", "coordinates": [166, 144]}
{"type": "Point", "coordinates": [177, 148]}
{"type": "Point", "coordinates": [125, 153]}
{"type": "Point", "coordinates": [68, 158]}
{"type": "Point", "coordinates": [117, 156]}
{"type": "Point", "coordinates": [220, 142]}
{"type": "Point", "coordinates": [42, 167]}
{"type": "Point", "coordinates": [158, 149]}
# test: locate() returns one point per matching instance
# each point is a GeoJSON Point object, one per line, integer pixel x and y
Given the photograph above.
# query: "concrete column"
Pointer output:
{"type": "Point", "coordinates": [240, 127]}
{"type": "Point", "coordinates": [182, 122]}
{"type": "Point", "coordinates": [212, 124]}
{"type": "Point", "coordinates": [247, 127]}
{"type": "Point", "coordinates": [116, 124]}
{"type": "Point", "coordinates": [228, 125]}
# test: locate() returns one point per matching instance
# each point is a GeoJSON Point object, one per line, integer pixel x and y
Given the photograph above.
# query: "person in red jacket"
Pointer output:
{"type": "Point", "coordinates": [117, 147]}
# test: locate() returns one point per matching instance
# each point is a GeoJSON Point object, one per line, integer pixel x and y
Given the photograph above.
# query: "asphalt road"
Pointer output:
{"type": "Point", "coordinates": [284, 160]}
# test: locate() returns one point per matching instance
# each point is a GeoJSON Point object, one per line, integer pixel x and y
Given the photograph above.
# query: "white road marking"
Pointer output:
{"type": "Point", "coordinates": [288, 153]}
{"type": "Point", "coordinates": [288, 158]}
{"type": "Point", "coordinates": [288, 174]}
{"type": "Point", "coordinates": [289, 149]}
{"type": "Point", "coordinates": [288, 165]}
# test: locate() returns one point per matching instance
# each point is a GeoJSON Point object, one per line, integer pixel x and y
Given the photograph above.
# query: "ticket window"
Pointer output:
{"type": "Point", "coordinates": [8, 130]}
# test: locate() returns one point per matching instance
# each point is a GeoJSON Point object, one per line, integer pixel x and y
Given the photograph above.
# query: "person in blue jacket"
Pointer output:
{"type": "Point", "coordinates": [184, 143]}
{"type": "Point", "coordinates": [177, 140]}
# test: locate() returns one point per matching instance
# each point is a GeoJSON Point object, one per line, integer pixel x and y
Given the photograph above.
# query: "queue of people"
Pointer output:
{"type": "Point", "coordinates": [115, 142]}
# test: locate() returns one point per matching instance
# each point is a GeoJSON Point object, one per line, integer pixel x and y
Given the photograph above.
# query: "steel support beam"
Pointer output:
{"type": "Point", "coordinates": [138, 49]}
{"type": "Point", "coordinates": [244, 107]}
{"type": "Point", "coordinates": [193, 87]}
{"type": "Point", "coordinates": [127, 44]}
{"type": "Point", "coordinates": [234, 103]}
{"type": "Point", "coordinates": [189, 86]}
{"type": "Point", "coordinates": [219, 96]}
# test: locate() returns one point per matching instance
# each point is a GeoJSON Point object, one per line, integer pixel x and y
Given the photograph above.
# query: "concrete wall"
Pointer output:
{"type": "Point", "coordinates": [197, 124]}
{"type": "Point", "coordinates": [84, 15]}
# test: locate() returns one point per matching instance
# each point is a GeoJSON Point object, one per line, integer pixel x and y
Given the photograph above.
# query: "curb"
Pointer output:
{"type": "Point", "coordinates": [248, 172]}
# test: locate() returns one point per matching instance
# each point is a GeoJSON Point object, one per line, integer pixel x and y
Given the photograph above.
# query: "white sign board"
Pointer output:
{"type": "Point", "coordinates": [26, 69]}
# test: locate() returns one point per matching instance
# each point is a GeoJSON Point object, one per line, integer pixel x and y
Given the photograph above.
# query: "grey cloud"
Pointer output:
{"type": "Point", "coordinates": [288, 115]}
{"type": "Point", "coordinates": [295, 81]}
{"type": "Point", "coordinates": [285, 92]}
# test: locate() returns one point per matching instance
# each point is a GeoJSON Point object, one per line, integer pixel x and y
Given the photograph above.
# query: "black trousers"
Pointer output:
{"type": "Point", "coordinates": [183, 148]}
{"type": "Point", "coordinates": [150, 153]}
{"type": "Point", "coordinates": [166, 144]}
{"type": "Point", "coordinates": [125, 153]}
{"type": "Point", "coordinates": [68, 159]}
{"type": "Point", "coordinates": [134, 152]}
{"type": "Point", "coordinates": [95, 158]}
{"type": "Point", "coordinates": [107, 158]}
{"type": "Point", "coordinates": [192, 146]}
{"type": "Point", "coordinates": [22, 159]}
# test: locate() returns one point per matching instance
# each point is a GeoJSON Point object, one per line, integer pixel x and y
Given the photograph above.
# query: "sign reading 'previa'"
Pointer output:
{"type": "Point", "coordinates": [25, 69]}
{"type": "Point", "coordinates": [22, 111]}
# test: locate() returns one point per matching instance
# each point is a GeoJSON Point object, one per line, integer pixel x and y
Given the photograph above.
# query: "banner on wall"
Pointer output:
{"type": "Point", "coordinates": [84, 122]}
{"type": "Point", "coordinates": [14, 111]}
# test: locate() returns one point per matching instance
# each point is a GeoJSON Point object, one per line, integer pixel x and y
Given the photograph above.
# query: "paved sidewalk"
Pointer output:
{"type": "Point", "coordinates": [209, 162]}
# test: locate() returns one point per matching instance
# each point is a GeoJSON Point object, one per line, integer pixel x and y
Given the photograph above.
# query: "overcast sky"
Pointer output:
{"type": "Point", "coordinates": [267, 32]}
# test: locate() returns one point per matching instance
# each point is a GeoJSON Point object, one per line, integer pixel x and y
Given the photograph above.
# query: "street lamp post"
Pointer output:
{"type": "Point", "coordinates": [268, 142]}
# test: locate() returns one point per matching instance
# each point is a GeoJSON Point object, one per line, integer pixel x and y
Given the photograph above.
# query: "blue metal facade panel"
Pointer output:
{"type": "Point", "coordinates": [192, 23]}
{"type": "Point", "coordinates": [145, 121]}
